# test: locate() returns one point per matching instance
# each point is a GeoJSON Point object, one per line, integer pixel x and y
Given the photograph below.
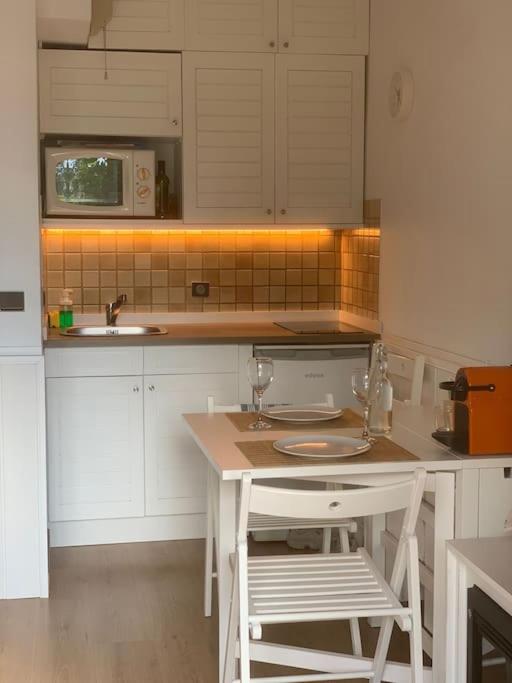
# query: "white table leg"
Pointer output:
{"type": "Point", "coordinates": [373, 528]}
{"type": "Point", "coordinates": [444, 528]}
{"type": "Point", "coordinates": [225, 523]}
{"type": "Point", "coordinates": [452, 586]}
{"type": "Point", "coordinates": [461, 653]}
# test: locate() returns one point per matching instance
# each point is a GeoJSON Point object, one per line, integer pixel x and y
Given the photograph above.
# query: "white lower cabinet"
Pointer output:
{"type": "Point", "coordinates": [495, 500]}
{"type": "Point", "coordinates": [122, 465]}
{"type": "Point", "coordinates": [175, 467]}
{"type": "Point", "coordinates": [95, 447]}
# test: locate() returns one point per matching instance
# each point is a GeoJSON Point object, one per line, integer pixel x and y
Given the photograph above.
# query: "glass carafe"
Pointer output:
{"type": "Point", "coordinates": [380, 393]}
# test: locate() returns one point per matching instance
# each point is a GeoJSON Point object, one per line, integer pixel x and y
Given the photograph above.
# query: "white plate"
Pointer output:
{"type": "Point", "coordinates": [303, 413]}
{"type": "Point", "coordinates": [322, 446]}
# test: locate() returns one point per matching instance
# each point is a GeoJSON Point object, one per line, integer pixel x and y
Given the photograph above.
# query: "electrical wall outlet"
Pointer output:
{"type": "Point", "coordinates": [201, 289]}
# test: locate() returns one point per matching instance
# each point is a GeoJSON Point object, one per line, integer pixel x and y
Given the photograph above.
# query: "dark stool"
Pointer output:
{"type": "Point", "coordinates": [487, 620]}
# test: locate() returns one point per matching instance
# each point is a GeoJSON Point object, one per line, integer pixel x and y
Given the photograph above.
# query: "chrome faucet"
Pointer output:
{"type": "Point", "coordinates": [114, 308]}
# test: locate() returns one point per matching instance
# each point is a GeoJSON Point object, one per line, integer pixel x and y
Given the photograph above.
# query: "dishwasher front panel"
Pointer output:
{"type": "Point", "coordinates": [305, 374]}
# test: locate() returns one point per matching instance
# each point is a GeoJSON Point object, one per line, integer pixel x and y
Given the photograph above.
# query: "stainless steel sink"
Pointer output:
{"type": "Point", "coordinates": [111, 331]}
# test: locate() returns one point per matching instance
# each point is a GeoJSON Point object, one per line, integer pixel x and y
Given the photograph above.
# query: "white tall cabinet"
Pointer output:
{"type": "Point", "coordinates": [23, 526]}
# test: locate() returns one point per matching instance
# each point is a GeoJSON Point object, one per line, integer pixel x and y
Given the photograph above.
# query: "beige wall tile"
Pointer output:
{"type": "Point", "coordinates": [259, 269]}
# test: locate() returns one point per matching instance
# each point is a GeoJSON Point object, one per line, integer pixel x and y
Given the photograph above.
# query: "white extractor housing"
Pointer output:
{"type": "Point", "coordinates": [23, 559]}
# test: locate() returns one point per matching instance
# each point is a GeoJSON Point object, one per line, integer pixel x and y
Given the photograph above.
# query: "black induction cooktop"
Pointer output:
{"type": "Point", "coordinates": [319, 327]}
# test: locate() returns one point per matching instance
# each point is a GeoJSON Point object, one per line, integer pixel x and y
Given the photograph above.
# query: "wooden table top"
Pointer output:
{"type": "Point", "coordinates": [217, 436]}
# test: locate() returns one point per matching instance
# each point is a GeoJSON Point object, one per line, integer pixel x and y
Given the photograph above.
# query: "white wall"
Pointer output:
{"type": "Point", "coordinates": [19, 212]}
{"type": "Point", "coordinates": [445, 174]}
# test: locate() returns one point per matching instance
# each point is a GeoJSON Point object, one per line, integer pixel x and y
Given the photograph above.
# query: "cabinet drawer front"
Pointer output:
{"type": "Point", "coordinates": [100, 362]}
{"type": "Point", "coordinates": [495, 500]}
{"type": "Point", "coordinates": [75, 97]}
{"type": "Point", "coordinates": [181, 360]}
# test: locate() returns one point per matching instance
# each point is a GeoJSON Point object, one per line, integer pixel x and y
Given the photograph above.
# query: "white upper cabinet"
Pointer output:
{"type": "Point", "coordinates": [143, 25]}
{"type": "Point", "coordinates": [324, 26]}
{"type": "Point", "coordinates": [114, 93]}
{"type": "Point", "coordinates": [234, 25]}
{"type": "Point", "coordinates": [320, 139]}
{"type": "Point", "coordinates": [228, 102]}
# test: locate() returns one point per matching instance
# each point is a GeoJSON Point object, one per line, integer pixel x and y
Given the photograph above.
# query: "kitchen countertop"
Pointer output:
{"type": "Point", "coordinates": [216, 333]}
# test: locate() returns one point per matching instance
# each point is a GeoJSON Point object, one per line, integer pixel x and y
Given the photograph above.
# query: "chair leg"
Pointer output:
{"type": "Point", "coordinates": [413, 589]}
{"type": "Point", "coordinates": [230, 660]}
{"type": "Point", "coordinates": [355, 633]}
{"type": "Point", "coordinates": [326, 541]}
{"type": "Point", "coordinates": [208, 560]}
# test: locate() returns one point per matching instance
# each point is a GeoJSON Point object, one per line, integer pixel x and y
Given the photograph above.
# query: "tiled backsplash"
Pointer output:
{"type": "Point", "coordinates": [360, 272]}
{"type": "Point", "coordinates": [247, 270]}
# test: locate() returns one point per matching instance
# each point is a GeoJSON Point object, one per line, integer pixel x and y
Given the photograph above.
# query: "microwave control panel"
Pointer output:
{"type": "Point", "coordinates": [144, 183]}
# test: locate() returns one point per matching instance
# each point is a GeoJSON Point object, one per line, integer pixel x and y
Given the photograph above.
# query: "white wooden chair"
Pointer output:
{"type": "Point", "coordinates": [264, 522]}
{"type": "Point", "coordinates": [303, 588]}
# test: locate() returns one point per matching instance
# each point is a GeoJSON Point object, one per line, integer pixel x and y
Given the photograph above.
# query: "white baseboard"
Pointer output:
{"type": "Point", "coordinates": [128, 530]}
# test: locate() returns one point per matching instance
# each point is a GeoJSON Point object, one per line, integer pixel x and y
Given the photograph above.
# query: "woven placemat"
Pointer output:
{"type": "Point", "coordinates": [263, 454]}
{"type": "Point", "coordinates": [349, 419]}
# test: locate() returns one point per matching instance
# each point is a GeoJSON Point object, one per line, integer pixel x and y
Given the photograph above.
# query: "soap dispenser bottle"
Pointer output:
{"type": "Point", "coordinates": [66, 309]}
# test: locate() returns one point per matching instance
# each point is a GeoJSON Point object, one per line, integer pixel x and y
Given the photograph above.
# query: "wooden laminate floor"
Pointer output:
{"type": "Point", "coordinates": [133, 614]}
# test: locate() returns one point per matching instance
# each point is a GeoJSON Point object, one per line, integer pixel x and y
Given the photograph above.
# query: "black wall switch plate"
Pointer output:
{"type": "Point", "coordinates": [12, 301]}
{"type": "Point", "coordinates": [201, 289]}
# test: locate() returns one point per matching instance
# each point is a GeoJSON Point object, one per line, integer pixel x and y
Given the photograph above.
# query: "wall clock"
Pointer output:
{"type": "Point", "coordinates": [401, 94]}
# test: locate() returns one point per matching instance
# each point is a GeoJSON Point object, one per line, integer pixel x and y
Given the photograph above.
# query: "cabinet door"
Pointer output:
{"type": "Point", "coordinates": [238, 25]}
{"type": "Point", "coordinates": [495, 500]}
{"type": "Point", "coordinates": [335, 27]}
{"type": "Point", "coordinates": [95, 448]}
{"type": "Point", "coordinates": [141, 94]}
{"type": "Point", "coordinates": [143, 25]}
{"type": "Point", "coordinates": [320, 139]}
{"type": "Point", "coordinates": [228, 138]}
{"type": "Point", "coordinates": [175, 467]}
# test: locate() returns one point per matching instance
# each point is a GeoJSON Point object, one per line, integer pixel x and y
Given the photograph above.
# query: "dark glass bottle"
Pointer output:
{"type": "Point", "coordinates": [162, 192]}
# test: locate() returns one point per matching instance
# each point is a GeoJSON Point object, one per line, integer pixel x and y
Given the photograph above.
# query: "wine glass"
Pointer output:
{"type": "Point", "coordinates": [360, 386]}
{"type": "Point", "coordinates": [260, 372]}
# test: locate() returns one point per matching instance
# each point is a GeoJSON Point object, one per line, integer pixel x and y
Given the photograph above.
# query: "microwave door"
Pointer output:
{"type": "Point", "coordinates": [88, 182]}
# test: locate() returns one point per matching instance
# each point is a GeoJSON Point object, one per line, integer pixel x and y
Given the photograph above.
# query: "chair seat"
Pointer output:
{"type": "Point", "coordinates": [290, 588]}
{"type": "Point", "coordinates": [258, 522]}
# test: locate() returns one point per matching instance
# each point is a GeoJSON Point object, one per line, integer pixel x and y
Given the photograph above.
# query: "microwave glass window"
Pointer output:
{"type": "Point", "coordinates": [95, 181]}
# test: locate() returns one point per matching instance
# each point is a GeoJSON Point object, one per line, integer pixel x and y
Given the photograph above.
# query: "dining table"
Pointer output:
{"type": "Point", "coordinates": [231, 448]}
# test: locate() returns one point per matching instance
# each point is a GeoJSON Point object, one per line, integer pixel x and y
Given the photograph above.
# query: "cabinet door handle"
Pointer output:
{"type": "Point", "coordinates": [283, 212]}
{"type": "Point", "coordinates": [136, 390]}
{"type": "Point", "coordinates": [151, 387]}
{"type": "Point", "coordinates": [269, 212]}
{"type": "Point", "coordinates": [175, 122]}
{"type": "Point", "coordinates": [286, 44]}
{"type": "Point", "coordinates": [272, 43]}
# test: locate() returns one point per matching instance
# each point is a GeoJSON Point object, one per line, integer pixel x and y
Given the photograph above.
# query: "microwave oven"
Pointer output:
{"type": "Point", "coordinates": [110, 183]}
